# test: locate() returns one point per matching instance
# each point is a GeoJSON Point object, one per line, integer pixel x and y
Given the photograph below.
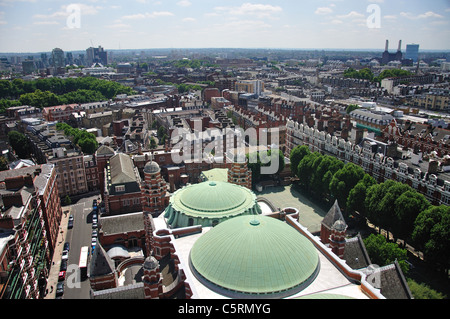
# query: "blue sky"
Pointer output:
{"type": "Point", "coordinates": [41, 25]}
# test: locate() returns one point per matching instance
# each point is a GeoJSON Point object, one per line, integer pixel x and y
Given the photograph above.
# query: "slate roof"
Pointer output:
{"type": "Point", "coordinates": [333, 215]}
{"type": "Point", "coordinates": [101, 264]}
{"type": "Point", "coordinates": [121, 224]}
{"type": "Point", "coordinates": [355, 254]}
{"type": "Point", "coordinates": [391, 281]}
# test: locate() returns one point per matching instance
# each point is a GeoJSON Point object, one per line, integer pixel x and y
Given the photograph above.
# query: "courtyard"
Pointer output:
{"type": "Point", "coordinates": [311, 214]}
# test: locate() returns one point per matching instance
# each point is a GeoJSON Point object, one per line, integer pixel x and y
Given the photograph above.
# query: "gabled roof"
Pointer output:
{"type": "Point", "coordinates": [105, 150]}
{"type": "Point", "coordinates": [122, 170]}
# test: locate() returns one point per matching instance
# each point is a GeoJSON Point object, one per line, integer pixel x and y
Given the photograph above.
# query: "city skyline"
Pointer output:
{"type": "Point", "coordinates": [40, 26]}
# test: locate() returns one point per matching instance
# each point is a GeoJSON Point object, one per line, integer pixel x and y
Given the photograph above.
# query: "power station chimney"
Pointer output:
{"type": "Point", "coordinates": [387, 46]}
{"type": "Point", "coordinates": [399, 46]}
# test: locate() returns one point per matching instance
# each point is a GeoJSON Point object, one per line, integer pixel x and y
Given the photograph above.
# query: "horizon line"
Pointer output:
{"type": "Point", "coordinates": [233, 48]}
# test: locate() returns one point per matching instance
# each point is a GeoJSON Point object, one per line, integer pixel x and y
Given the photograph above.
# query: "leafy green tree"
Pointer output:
{"type": "Point", "coordinates": [4, 164]}
{"type": "Point", "coordinates": [423, 291]}
{"type": "Point", "coordinates": [343, 182]}
{"type": "Point", "coordinates": [351, 108]}
{"type": "Point", "coordinates": [153, 143]}
{"type": "Point", "coordinates": [432, 234]}
{"type": "Point", "coordinates": [357, 196]}
{"type": "Point", "coordinates": [407, 207]}
{"type": "Point", "coordinates": [383, 253]}
{"type": "Point", "coordinates": [296, 156]}
{"type": "Point", "coordinates": [305, 169]}
{"type": "Point", "coordinates": [67, 200]}
{"type": "Point", "coordinates": [19, 143]}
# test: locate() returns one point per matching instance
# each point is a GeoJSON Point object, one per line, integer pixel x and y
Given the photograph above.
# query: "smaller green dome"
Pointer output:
{"type": "Point", "coordinates": [210, 203]}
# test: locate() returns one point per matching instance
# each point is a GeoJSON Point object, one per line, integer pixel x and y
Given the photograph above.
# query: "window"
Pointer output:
{"type": "Point", "coordinates": [120, 188]}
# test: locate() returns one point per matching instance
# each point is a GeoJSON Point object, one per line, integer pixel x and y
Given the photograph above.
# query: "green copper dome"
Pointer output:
{"type": "Point", "coordinates": [254, 256]}
{"type": "Point", "coordinates": [210, 203]}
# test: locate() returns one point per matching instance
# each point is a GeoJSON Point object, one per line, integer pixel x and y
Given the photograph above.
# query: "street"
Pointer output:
{"type": "Point", "coordinates": [80, 235]}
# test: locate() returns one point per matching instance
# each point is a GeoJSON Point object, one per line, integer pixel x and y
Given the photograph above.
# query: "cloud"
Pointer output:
{"type": "Point", "coordinates": [45, 23]}
{"type": "Point", "coordinates": [249, 9]}
{"type": "Point", "coordinates": [184, 3]}
{"type": "Point", "coordinates": [146, 15]}
{"type": "Point", "coordinates": [352, 15]}
{"type": "Point", "coordinates": [426, 15]}
{"type": "Point", "coordinates": [323, 11]}
{"type": "Point", "coordinates": [189, 20]}
{"type": "Point", "coordinates": [64, 13]}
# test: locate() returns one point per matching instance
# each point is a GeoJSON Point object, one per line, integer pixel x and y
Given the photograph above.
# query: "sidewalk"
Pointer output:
{"type": "Point", "coordinates": [54, 269]}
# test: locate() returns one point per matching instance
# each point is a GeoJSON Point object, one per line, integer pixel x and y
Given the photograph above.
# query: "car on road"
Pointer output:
{"type": "Point", "coordinates": [94, 233]}
{"type": "Point", "coordinates": [63, 265]}
{"type": "Point", "coordinates": [62, 275]}
{"type": "Point", "coordinates": [94, 241]}
{"type": "Point", "coordinates": [70, 223]}
{"type": "Point", "coordinates": [60, 289]}
{"type": "Point", "coordinates": [94, 225]}
{"type": "Point", "coordinates": [66, 246]}
{"type": "Point", "coordinates": [65, 255]}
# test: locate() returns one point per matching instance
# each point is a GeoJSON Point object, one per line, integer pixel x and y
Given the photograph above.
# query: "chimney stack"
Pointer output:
{"type": "Point", "coordinates": [387, 46]}
{"type": "Point", "coordinates": [400, 46]}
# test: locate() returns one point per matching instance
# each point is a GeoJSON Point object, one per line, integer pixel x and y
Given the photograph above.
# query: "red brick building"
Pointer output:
{"type": "Point", "coordinates": [122, 192]}
{"type": "Point", "coordinates": [30, 220]}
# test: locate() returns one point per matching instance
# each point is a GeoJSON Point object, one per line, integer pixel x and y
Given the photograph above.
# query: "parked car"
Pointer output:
{"type": "Point", "coordinates": [67, 246]}
{"type": "Point", "coordinates": [94, 241]}
{"type": "Point", "coordinates": [94, 224]}
{"type": "Point", "coordinates": [62, 275]}
{"type": "Point", "coordinates": [65, 255]}
{"type": "Point", "coordinates": [70, 223]}
{"type": "Point", "coordinates": [59, 289]}
{"type": "Point", "coordinates": [63, 265]}
{"type": "Point", "coordinates": [94, 233]}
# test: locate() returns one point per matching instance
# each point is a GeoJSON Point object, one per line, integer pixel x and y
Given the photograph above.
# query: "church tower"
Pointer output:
{"type": "Point", "coordinates": [239, 174]}
{"type": "Point", "coordinates": [337, 238]}
{"type": "Point", "coordinates": [152, 279]}
{"type": "Point", "coordinates": [154, 189]}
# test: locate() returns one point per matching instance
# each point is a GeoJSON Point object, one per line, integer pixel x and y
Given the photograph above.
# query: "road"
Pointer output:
{"type": "Point", "coordinates": [80, 235]}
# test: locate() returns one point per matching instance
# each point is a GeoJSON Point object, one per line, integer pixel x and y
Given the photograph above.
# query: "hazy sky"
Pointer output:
{"type": "Point", "coordinates": [41, 25]}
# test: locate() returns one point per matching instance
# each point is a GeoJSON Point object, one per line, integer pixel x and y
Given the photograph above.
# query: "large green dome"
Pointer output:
{"type": "Point", "coordinates": [254, 256]}
{"type": "Point", "coordinates": [210, 203]}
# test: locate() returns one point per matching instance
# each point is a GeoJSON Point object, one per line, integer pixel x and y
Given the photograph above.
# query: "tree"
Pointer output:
{"type": "Point", "coordinates": [423, 291]}
{"type": "Point", "coordinates": [19, 143]}
{"type": "Point", "coordinates": [407, 207]}
{"type": "Point", "coordinates": [305, 169]}
{"type": "Point", "coordinates": [67, 200]}
{"type": "Point", "coordinates": [383, 253]}
{"type": "Point", "coordinates": [153, 143]}
{"type": "Point", "coordinates": [296, 156]}
{"type": "Point", "coordinates": [343, 182]}
{"type": "Point", "coordinates": [357, 196]}
{"type": "Point", "coordinates": [4, 164]}
{"type": "Point", "coordinates": [432, 234]}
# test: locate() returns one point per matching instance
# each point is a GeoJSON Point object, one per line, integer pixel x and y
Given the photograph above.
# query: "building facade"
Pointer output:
{"type": "Point", "coordinates": [30, 221]}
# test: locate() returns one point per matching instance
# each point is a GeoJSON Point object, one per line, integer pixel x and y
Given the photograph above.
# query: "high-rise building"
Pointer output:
{"type": "Point", "coordinates": [58, 60]}
{"type": "Point", "coordinates": [412, 52]}
{"type": "Point", "coordinates": [96, 55]}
